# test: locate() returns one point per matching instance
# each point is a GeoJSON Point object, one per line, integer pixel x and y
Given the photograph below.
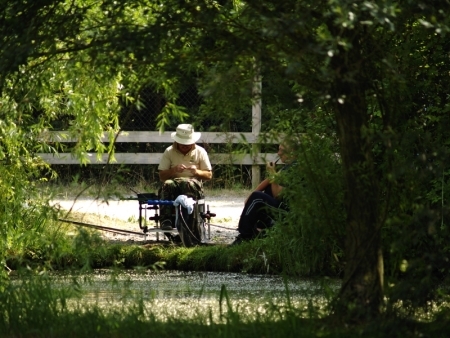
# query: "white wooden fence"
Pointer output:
{"type": "Point", "coordinates": [255, 160]}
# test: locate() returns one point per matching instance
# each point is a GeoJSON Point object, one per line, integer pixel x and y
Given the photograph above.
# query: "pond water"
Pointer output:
{"type": "Point", "coordinates": [189, 294]}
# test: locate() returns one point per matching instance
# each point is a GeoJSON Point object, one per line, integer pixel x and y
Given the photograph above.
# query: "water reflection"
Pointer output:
{"type": "Point", "coordinates": [192, 294]}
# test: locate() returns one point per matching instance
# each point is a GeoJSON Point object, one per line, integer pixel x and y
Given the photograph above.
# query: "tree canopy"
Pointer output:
{"type": "Point", "coordinates": [377, 69]}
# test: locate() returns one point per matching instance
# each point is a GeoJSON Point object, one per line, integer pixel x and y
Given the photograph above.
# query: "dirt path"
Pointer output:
{"type": "Point", "coordinates": [124, 214]}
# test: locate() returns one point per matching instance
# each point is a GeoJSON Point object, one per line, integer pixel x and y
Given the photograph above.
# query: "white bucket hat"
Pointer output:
{"type": "Point", "coordinates": [185, 134]}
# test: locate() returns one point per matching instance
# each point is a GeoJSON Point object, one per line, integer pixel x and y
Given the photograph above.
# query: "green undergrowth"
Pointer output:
{"type": "Point", "coordinates": [62, 246]}
{"type": "Point", "coordinates": [33, 307]}
{"type": "Point", "coordinates": [87, 250]}
{"type": "Point", "coordinates": [117, 324]}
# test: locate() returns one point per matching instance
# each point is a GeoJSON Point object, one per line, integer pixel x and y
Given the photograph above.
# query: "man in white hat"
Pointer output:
{"type": "Point", "coordinates": [183, 167]}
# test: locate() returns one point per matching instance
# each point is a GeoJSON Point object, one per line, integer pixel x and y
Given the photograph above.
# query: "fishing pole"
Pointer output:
{"type": "Point", "coordinates": [100, 227]}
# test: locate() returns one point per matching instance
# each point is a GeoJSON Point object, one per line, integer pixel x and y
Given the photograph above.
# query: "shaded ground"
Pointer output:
{"type": "Point", "coordinates": [124, 214]}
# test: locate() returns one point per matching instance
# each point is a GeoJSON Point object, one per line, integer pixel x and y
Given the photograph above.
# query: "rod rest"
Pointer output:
{"type": "Point", "coordinates": [207, 215]}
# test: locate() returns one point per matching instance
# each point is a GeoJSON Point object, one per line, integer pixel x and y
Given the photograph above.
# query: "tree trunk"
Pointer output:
{"type": "Point", "coordinates": [361, 293]}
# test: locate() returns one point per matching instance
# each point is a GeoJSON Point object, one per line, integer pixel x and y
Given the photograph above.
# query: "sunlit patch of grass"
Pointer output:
{"type": "Point", "coordinates": [223, 220]}
{"type": "Point", "coordinates": [217, 239]}
{"type": "Point", "coordinates": [97, 219]}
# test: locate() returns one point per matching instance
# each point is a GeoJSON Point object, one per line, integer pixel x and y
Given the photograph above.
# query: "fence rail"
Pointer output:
{"type": "Point", "coordinates": [156, 137]}
{"type": "Point", "coordinates": [154, 158]}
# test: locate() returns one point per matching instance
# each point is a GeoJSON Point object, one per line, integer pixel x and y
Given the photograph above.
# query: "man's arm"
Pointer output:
{"type": "Point", "coordinates": [196, 173]}
{"type": "Point", "coordinates": [167, 174]}
{"type": "Point", "coordinates": [200, 174]}
{"type": "Point", "coordinates": [263, 185]}
{"type": "Point", "coordinates": [276, 189]}
{"type": "Point", "coordinates": [203, 175]}
{"type": "Point", "coordinates": [172, 172]}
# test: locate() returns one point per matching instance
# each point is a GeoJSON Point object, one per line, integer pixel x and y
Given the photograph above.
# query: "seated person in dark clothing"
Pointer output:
{"type": "Point", "coordinates": [263, 202]}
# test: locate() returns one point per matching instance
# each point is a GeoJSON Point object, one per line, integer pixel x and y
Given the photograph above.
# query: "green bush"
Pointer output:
{"type": "Point", "coordinates": [308, 240]}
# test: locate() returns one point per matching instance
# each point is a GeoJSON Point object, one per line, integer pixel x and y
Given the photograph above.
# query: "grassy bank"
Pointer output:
{"type": "Point", "coordinates": [60, 246]}
{"type": "Point", "coordinates": [88, 250]}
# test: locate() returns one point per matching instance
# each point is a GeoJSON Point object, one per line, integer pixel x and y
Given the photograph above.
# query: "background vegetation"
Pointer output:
{"type": "Point", "coordinates": [365, 82]}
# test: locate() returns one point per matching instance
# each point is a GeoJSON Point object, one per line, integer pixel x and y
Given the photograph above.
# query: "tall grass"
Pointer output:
{"type": "Point", "coordinates": [35, 307]}
{"type": "Point", "coordinates": [308, 240]}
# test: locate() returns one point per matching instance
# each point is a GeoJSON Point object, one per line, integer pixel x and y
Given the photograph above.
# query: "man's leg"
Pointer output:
{"type": "Point", "coordinates": [255, 214]}
{"type": "Point", "coordinates": [169, 191]}
{"type": "Point", "coordinates": [268, 190]}
{"type": "Point", "coordinates": [190, 187]}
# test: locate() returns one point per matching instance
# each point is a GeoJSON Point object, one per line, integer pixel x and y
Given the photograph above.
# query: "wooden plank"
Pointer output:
{"type": "Point", "coordinates": [155, 158]}
{"type": "Point", "coordinates": [155, 137]}
{"type": "Point", "coordinates": [256, 124]}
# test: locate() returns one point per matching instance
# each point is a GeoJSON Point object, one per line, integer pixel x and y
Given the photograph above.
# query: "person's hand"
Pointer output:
{"type": "Point", "coordinates": [270, 166]}
{"type": "Point", "coordinates": [180, 167]}
{"type": "Point", "coordinates": [192, 169]}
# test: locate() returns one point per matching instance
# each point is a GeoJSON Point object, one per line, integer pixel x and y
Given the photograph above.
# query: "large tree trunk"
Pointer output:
{"type": "Point", "coordinates": [361, 293]}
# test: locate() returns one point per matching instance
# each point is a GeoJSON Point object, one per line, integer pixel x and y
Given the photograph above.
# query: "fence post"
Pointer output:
{"type": "Point", "coordinates": [256, 125]}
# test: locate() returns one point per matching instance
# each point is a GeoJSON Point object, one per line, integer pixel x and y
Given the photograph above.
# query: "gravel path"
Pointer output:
{"type": "Point", "coordinates": [124, 214]}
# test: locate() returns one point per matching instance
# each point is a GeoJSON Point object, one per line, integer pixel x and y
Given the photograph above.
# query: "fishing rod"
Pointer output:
{"type": "Point", "coordinates": [122, 231]}
{"type": "Point", "coordinates": [219, 226]}
{"type": "Point", "coordinates": [100, 227]}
